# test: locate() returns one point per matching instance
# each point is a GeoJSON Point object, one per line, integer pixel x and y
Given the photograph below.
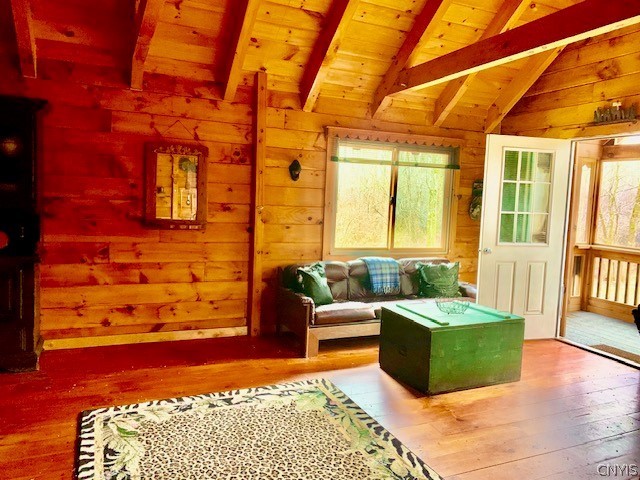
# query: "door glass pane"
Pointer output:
{"type": "Point", "coordinates": [506, 227]}
{"type": "Point", "coordinates": [543, 169]}
{"type": "Point", "coordinates": [526, 166]}
{"type": "Point", "coordinates": [420, 207]}
{"type": "Point", "coordinates": [523, 229]}
{"type": "Point", "coordinates": [539, 225]}
{"type": "Point", "coordinates": [362, 216]}
{"type": "Point", "coordinates": [541, 198]}
{"type": "Point", "coordinates": [509, 197]}
{"type": "Point", "coordinates": [527, 195]}
{"type": "Point", "coordinates": [524, 197]}
{"type": "Point", "coordinates": [511, 165]}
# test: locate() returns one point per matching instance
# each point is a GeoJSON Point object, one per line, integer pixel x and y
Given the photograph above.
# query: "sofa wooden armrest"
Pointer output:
{"type": "Point", "coordinates": [295, 313]}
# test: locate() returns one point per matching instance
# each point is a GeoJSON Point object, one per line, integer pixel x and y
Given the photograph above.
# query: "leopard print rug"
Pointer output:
{"type": "Point", "coordinates": [303, 430]}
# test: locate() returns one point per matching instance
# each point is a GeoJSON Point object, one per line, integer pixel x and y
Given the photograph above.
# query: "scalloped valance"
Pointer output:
{"type": "Point", "coordinates": [441, 152]}
{"type": "Point", "coordinates": [391, 137]}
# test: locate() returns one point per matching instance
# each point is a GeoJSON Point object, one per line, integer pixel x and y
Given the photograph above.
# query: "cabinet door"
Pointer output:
{"type": "Point", "coordinates": [17, 316]}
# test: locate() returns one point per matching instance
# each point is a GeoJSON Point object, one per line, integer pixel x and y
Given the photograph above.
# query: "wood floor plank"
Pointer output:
{"type": "Point", "coordinates": [571, 410]}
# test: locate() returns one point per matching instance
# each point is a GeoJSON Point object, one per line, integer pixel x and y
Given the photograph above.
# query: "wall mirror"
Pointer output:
{"type": "Point", "coordinates": [176, 186]}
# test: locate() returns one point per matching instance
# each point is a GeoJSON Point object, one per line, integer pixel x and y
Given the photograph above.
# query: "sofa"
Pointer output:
{"type": "Point", "coordinates": [356, 309]}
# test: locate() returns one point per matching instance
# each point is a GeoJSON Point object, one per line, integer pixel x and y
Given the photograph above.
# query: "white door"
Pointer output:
{"type": "Point", "coordinates": [523, 229]}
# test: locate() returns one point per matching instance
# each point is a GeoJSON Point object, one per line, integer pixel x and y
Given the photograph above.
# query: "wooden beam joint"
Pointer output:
{"type": "Point", "coordinates": [324, 51]}
{"type": "Point", "coordinates": [148, 15]}
{"type": "Point", "coordinates": [561, 28]}
{"type": "Point", "coordinates": [25, 38]}
{"type": "Point", "coordinates": [239, 46]}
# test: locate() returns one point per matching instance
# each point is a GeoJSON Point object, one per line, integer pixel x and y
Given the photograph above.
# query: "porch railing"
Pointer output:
{"type": "Point", "coordinates": [614, 282]}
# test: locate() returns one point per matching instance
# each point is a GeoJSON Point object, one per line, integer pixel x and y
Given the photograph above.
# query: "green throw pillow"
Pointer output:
{"type": "Point", "coordinates": [313, 282]}
{"type": "Point", "coordinates": [438, 280]}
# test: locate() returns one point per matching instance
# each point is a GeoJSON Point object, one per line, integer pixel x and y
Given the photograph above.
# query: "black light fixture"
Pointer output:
{"type": "Point", "coordinates": [294, 170]}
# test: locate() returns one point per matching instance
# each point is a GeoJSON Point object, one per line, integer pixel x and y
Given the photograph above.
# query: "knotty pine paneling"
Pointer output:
{"type": "Point", "coordinates": [294, 211]}
{"type": "Point", "coordinates": [105, 275]}
{"type": "Point", "coordinates": [585, 76]}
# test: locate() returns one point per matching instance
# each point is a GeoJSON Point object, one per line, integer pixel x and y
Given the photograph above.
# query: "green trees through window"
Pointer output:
{"type": "Point", "coordinates": [618, 215]}
{"type": "Point", "coordinates": [392, 198]}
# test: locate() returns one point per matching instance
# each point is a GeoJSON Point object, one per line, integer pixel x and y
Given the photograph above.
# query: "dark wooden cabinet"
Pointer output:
{"type": "Point", "coordinates": [19, 326]}
{"type": "Point", "coordinates": [20, 341]}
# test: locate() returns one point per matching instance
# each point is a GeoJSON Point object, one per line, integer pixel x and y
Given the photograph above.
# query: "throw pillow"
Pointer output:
{"type": "Point", "coordinates": [313, 282]}
{"type": "Point", "coordinates": [438, 280]}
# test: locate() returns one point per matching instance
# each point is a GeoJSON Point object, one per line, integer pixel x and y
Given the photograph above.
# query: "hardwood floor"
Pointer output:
{"type": "Point", "coordinates": [571, 411]}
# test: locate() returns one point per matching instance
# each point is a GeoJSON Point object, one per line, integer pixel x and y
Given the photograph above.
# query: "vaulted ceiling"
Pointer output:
{"type": "Point", "coordinates": [358, 53]}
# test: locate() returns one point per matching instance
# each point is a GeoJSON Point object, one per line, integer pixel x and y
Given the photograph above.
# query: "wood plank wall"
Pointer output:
{"type": "Point", "coordinates": [587, 75]}
{"type": "Point", "coordinates": [106, 279]}
{"type": "Point", "coordinates": [294, 211]}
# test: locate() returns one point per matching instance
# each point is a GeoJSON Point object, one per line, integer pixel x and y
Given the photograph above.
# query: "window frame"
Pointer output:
{"type": "Point", "coordinates": [450, 204]}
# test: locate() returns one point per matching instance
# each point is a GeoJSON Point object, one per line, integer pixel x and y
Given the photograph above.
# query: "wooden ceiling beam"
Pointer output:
{"type": "Point", "coordinates": [147, 18]}
{"type": "Point", "coordinates": [561, 28]}
{"type": "Point", "coordinates": [24, 35]}
{"type": "Point", "coordinates": [422, 29]}
{"type": "Point", "coordinates": [239, 46]}
{"type": "Point", "coordinates": [506, 18]}
{"type": "Point", "coordinates": [324, 51]}
{"type": "Point", "coordinates": [523, 81]}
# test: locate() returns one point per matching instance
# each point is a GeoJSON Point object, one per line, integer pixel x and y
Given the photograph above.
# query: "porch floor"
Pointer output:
{"type": "Point", "coordinates": [594, 330]}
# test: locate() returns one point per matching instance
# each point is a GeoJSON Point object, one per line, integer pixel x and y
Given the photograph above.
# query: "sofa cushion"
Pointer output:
{"type": "Point", "coordinates": [314, 283]}
{"type": "Point", "coordinates": [343, 312]}
{"type": "Point", "coordinates": [337, 277]}
{"type": "Point", "coordinates": [438, 280]}
{"type": "Point", "coordinates": [409, 282]}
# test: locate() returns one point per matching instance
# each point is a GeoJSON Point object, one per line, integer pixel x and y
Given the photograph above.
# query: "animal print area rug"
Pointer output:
{"type": "Point", "coordinates": [303, 430]}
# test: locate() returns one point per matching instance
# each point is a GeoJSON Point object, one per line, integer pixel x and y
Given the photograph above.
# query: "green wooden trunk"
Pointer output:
{"type": "Point", "coordinates": [435, 352]}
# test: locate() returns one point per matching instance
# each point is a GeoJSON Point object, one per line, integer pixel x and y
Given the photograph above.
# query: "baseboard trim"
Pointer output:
{"type": "Point", "coordinates": [135, 338]}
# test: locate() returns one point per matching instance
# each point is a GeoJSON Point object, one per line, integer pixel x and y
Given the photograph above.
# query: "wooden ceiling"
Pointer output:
{"type": "Point", "coordinates": [327, 52]}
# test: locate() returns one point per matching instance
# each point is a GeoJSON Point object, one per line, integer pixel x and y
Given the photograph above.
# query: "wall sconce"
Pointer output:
{"type": "Point", "coordinates": [294, 170]}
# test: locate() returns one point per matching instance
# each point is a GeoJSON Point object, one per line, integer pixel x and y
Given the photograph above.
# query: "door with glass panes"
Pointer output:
{"type": "Point", "coordinates": [523, 229]}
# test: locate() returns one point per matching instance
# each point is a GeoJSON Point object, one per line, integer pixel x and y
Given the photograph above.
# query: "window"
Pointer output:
{"type": "Point", "coordinates": [389, 197]}
{"type": "Point", "coordinates": [618, 212]}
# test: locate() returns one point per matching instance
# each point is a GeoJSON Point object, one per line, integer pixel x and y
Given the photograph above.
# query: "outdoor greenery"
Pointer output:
{"type": "Point", "coordinates": [365, 205]}
{"type": "Point", "coordinates": [618, 214]}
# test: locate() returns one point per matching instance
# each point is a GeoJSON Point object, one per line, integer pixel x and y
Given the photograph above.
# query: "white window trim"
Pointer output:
{"type": "Point", "coordinates": [451, 202]}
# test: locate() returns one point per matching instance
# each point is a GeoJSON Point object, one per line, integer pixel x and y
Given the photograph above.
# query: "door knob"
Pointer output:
{"type": "Point", "coordinates": [486, 250]}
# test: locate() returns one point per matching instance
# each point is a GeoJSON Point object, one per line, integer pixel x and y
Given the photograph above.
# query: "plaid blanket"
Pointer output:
{"type": "Point", "coordinates": [384, 274]}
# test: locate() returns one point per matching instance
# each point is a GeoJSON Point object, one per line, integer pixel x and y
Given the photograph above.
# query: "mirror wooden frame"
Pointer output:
{"type": "Point", "coordinates": [151, 168]}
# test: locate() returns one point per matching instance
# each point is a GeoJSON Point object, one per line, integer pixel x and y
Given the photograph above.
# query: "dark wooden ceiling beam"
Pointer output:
{"type": "Point", "coordinates": [147, 18]}
{"type": "Point", "coordinates": [239, 46]}
{"type": "Point", "coordinates": [506, 18]}
{"type": "Point", "coordinates": [24, 35]}
{"type": "Point", "coordinates": [422, 29]}
{"type": "Point", "coordinates": [324, 51]}
{"type": "Point", "coordinates": [584, 20]}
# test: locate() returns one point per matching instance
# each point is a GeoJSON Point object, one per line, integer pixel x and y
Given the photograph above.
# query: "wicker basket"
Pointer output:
{"type": "Point", "coordinates": [452, 305]}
